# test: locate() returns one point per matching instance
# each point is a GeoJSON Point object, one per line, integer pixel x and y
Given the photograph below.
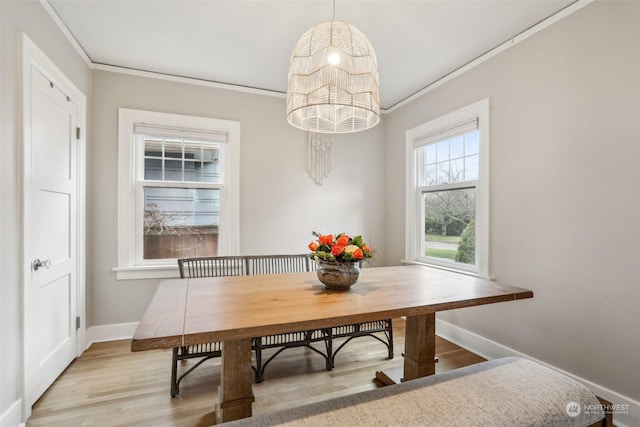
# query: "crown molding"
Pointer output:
{"type": "Point", "coordinates": [186, 80]}
{"type": "Point", "coordinates": [573, 7]}
{"type": "Point", "coordinates": [56, 19]}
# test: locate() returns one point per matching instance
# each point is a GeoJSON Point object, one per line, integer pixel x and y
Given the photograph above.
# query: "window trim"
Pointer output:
{"type": "Point", "coordinates": [128, 223]}
{"type": "Point", "coordinates": [415, 138]}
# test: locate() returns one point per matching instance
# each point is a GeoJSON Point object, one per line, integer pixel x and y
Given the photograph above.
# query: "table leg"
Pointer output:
{"type": "Point", "coordinates": [235, 392]}
{"type": "Point", "coordinates": [419, 351]}
{"type": "Point", "coordinates": [420, 346]}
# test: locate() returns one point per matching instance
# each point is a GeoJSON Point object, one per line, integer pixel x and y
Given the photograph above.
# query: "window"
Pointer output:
{"type": "Point", "coordinates": [447, 191]}
{"type": "Point", "coordinates": [177, 191]}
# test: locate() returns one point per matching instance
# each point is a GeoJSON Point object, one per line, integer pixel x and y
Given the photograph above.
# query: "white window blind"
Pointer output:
{"type": "Point", "coordinates": [180, 133]}
{"type": "Point", "coordinates": [450, 132]}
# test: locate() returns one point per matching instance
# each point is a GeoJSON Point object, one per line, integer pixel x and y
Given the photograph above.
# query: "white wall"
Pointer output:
{"type": "Point", "coordinates": [27, 16]}
{"type": "Point", "coordinates": [565, 192]}
{"type": "Point", "coordinates": [280, 205]}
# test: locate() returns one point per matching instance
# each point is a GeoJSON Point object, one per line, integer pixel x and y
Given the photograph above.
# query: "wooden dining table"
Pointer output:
{"type": "Point", "coordinates": [234, 309]}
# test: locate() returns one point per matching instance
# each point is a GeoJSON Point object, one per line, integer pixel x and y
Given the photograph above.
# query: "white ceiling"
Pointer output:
{"type": "Point", "coordinates": [249, 43]}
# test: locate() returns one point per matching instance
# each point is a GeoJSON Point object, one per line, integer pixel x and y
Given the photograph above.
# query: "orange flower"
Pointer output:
{"type": "Point", "coordinates": [343, 240]}
{"type": "Point", "coordinates": [337, 250]}
{"type": "Point", "coordinates": [327, 239]}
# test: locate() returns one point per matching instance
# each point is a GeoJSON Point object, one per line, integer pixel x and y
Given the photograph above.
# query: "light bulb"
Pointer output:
{"type": "Point", "coordinates": [334, 58]}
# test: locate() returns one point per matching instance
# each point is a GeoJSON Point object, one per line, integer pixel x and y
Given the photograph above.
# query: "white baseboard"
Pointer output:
{"type": "Point", "coordinates": [489, 349]}
{"type": "Point", "coordinates": [12, 417]}
{"type": "Point", "coordinates": [102, 333]}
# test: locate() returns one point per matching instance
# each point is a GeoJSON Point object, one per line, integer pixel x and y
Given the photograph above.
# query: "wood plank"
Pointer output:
{"type": "Point", "coordinates": [419, 359]}
{"type": "Point", "coordinates": [162, 325]}
{"type": "Point", "coordinates": [235, 392]}
{"type": "Point", "coordinates": [243, 307]}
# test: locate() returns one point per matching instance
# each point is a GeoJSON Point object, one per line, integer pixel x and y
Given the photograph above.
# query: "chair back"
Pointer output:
{"type": "Point", "coordinates": [212, 266]}
{"type": "Point", "coordinates": [277, 264]}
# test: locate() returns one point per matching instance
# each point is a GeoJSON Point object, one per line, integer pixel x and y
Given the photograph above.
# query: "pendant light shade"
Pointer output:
{"type": "Point", "coordinates": [333, 81]}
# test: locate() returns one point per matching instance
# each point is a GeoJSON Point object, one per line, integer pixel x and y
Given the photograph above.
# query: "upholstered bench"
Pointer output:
{"type": "Point", "coordinates": [507, 392]}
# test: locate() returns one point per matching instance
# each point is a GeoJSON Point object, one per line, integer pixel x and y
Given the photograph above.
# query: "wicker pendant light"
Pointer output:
{"type": "Point", "coordinates": [333, 81]}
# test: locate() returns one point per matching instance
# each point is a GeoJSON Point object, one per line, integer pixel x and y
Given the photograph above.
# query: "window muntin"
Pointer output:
{"type": "Point", "coordinates": [181, 160]}
{"type": "Point", "coordinates": [450, 160]}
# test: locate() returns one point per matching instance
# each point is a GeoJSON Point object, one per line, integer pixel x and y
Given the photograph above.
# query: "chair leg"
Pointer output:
{"type": "Point", "coordinates": [329, 346]}
{"type": "Point", "coordinates": [387, 340]}
{"type": "Point", "coordinates": [174, 373]}
{"type": "Point", "coordinates": [259, 369]}
{"type": "Point", "coordinates": [390, 336]}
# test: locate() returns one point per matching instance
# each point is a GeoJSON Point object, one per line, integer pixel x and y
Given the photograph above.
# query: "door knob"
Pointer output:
{"type": "Point", "coordinates": [37, 264]}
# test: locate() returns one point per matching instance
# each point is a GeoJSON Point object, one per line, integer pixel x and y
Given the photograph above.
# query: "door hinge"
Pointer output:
{"type": "Point", "coordinates": [78, 322]}
{"type": "Point", "coordinates": [77, 133]}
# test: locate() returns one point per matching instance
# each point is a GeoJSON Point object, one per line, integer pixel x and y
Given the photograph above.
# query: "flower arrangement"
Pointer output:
{"type": "Point", "coordinates": [339, 248]}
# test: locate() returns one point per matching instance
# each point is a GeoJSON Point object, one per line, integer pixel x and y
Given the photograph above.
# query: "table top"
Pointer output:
{"type": "Point", "coordinates": [193, 311]}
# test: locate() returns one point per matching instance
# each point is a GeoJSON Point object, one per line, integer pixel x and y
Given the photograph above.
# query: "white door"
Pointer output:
{"type": "Point", "coordinates": [50, 192]}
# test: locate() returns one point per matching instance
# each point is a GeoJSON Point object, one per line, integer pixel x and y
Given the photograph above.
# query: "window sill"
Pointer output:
{"type": "Point", "coordinates": [147, 272]}
{"type": "Point", "coordinates": [447, 268]}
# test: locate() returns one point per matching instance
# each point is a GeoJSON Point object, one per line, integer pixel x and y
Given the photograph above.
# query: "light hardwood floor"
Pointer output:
{"type": "Point", "coordinates": [109, 385]}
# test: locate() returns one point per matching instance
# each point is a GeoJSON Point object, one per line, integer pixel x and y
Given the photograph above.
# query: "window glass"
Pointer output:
{"type": "Point", "coordinates": [181, 160]}
{"type": "Point", "coordinates": [442, 175]}
{"type": "Point", "coordinates": [456, 146]}
{"type": "Point", "coordinates": [442, 150]}
{"type": "Point", "coordinates": [180, 222]}
{"type": "Point", "coordinates": [449, 224]}
{"type": "Point", "coordinates": [471, 168]}
{"type": "Point", "coordinates": [471, 143]}
{"type": "Point", "coordinates": [430, 156]}
{"type": "Point", "coordinates": [457, 171]}
{"type": "Point", "coordinates": [430, 175]}
{"type": "Point", "coordinates": [450, 213]}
